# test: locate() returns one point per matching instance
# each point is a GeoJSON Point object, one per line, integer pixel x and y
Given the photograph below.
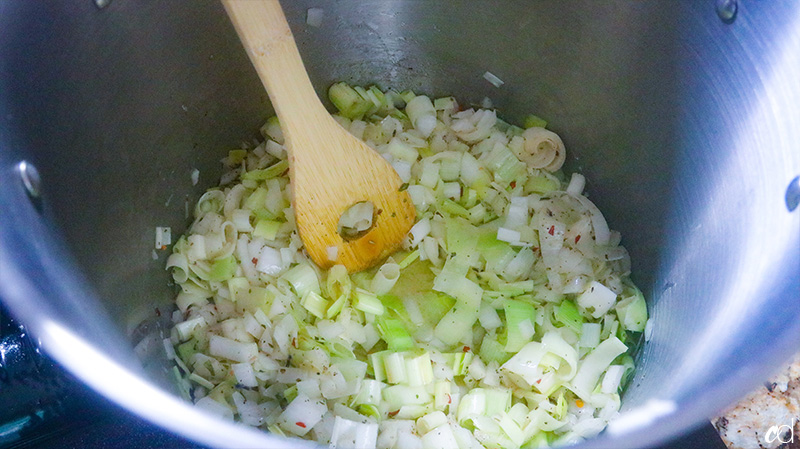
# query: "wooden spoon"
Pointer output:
{"type": "Point", "coordinates": [330, 170]}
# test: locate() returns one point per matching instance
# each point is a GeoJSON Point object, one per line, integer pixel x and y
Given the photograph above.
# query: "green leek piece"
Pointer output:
{"type": "Point", "coordinates": [377, 365]}
{"type": "Point", "coordinates": [415, 284]}
{"type": "Point", "coordinates": [395, 334]}
{"type": "Point", "coordinates": [183, 386]}
{"type": "Point", "coordinates": [461, 361]}
{"type": "Point", "coordinates": [460, 239]}
{"type": "Point", "coordinates": [187, 349]}
{"type": "Point", "coordinates": [452, 208]}
{"type": "Point", "coordinates": [632, 312]}
{"type": "Point", "coordinates": [395, 304]}
{"type": "Point", "coordinates": [627, 361]}
{"type": "Point", "coordinates": [377, 97]}
{"type": "Point", "coordinates": [497, 400]}
{"type": "Point", "coordinates": [409, 259]}
{"type": "Point", "coordinates": [567, 314]}
{"type": "Point", "coordinates": [235, 157]}
{"type": "Point", "coordinates": [239, 287]}
{"type": "Point", "coordinates": [339, 349]}
{"type": "Point", "coordinates": [267, 229]}
{"type": "Point", "coordinates": [457, 323]}
{"type": "Point", "coordinates": [533, 121]}
{"type": "Point", "coordinates": [303, 279]}
{"type": "Point", "coordinates": [272, 130]}
{"type": "Point", "coordinates": [407, 95]}
{"type": "Point", "coordinates": [395, 366]}
{"type": "Point", "coordinates": [256, 199]}
{"type": "Point", "coordinates": [348, 101]}
{"type": "Point", "coordinates": [516, 312]}
{"type": "Point", "coordinates": [263, 214]}
{"type": "Point", "coordinates": [540, 184]}
{"type": "Point", "coordinates": [419, 370]}
{"type": "Point", "coordinates": [512, 289]}
{"type": "Point", "coordinates": [222, 269]}
{"type": "Point", "coordinates": [270, 172]}
{"type": "Point", "coordinates": [369, 410]}
{"type": "Point", "coordinates": [496, 253]}
{"type": "Point", "coordinates": [538, 440]}
{"type": "Point", "coordinates": [505, 165]}
{"type": "Point", "coordinates": [397, 396]}
{"type": "Point", "coordinates": [369, 303]}
{"type": "Point", "coordinates": [336, 307]}
{"type": "Point", "coordinates": [470, 198]}
{"type": "Point", "coordinates": [222, 391]}
{"type": "Point", "coordinates": [443, 103]}
{"type": "Point", "coordinates": [508, 129]}
{"type": "Point", "coordinates": [478, 214]}
{"type": "Point", "coordinates": [315, 304]}
{"type": "Point", "coordinates": [290, 393]}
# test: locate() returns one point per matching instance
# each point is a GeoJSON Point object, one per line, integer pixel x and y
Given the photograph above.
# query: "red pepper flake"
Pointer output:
{"type": "Point", "coordinates": [513, 184]}
{"type": "Point", "coordinates": [300, 424]}
{"type": "Point", "coordinates": [552, 230]}
{"type": "Point", "coordinates": [391, 414]}
{"type": "Point", "coordinates": [163, 247]}
{"type": "Point", "coordinates": [466, 349]}
{"type": "Point", "coordinates": [254, 260]}
{"type": "Point", "coordinates": [577, 238]}
{"type": "Point", "coordinates": [538, 381]}
{"type": "Point", "coordinates": [294, 342]}
{"type": "Point", "coordinates": [449, 398]}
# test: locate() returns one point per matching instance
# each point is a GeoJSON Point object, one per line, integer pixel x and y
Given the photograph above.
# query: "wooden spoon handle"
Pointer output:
{"type": "Point", "coordinates": [266, 36]}
{"type": "Point", "coordinates": [330, 170]}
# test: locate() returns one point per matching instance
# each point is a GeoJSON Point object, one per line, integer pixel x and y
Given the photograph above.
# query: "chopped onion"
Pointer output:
{"type": "Point", "coordinates": [508, 235]}
{"type": "Point", "coordinates": [419, 231]}
{"type": "Point", "coordinates": [163, 237]}
{"type": "Point", "coordinates": [602, 235]}
{"type": "Point", "coordinates": [492, 78]}
{"type": "Point", "coordinates": [231, 349]}
{"type": "Point", "coordinates": [333, 253]}
{"type": "Point", "coordinates": [597, 297]}
{"type": "Point", "coordinates": [612, 379]}
{"type": "Point", "coordinates": [503, 310]}
{"type": "Point", "coordinates": [314, 17]}
{"type": "Point", "coordinates": [269, 261]}
{"type": "Point", "coordinates": [301, 415]}
{"type": "Point", "coordinates": [244, 374]}
{"type": "Point", "coordinates": [215, 408]}
{"type": "Point", "coordinates": [576, 184]}
{"type": "Point", "coordinates": [352, 434]}
{"type": "Point", "coordinates": [356, 219]}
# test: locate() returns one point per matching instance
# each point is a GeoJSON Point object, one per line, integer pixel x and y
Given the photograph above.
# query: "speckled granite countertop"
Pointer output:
{"type": "Point", "coordinates": [769, 417]}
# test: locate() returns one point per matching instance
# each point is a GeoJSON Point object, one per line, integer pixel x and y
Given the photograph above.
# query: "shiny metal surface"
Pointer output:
{"type": "Point", "coordinates": [686, 127]}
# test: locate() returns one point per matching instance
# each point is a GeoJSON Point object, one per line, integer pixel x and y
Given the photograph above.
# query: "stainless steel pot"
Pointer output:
{"type": "Point", "coordinates": [683, 115]}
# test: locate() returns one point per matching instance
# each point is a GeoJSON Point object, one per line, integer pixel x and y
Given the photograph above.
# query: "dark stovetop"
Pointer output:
{"type": "Point", "coordinates": [43, 407]}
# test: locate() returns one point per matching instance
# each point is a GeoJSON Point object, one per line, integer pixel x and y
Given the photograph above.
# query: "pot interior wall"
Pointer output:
{"type": "Point", "coordinates": [118, 106]}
